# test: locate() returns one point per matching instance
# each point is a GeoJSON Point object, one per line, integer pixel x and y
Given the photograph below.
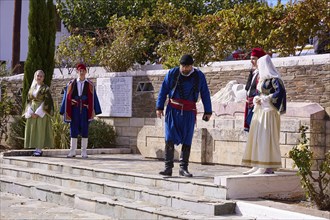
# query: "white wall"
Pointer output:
{"type": "Point", "coordinates": [6, 30]}
{"type": "Point", "coordinates": [6, 13]}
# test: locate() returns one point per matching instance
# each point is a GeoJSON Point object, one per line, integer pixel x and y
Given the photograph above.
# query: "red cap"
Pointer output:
{"type": "Point", "coordinates": [258, 52]}
{"type": "Point", "coordinates": [81, 66]}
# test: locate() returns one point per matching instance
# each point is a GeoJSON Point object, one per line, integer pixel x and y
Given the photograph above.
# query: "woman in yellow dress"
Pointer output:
{"type": "Point", "coordinates": [263, 148]}
{"type": "Point", "coordinates": [38, 112]}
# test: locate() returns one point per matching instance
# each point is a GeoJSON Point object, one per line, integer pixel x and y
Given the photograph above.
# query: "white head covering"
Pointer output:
{"type": "Point", "coordinates": [266, 68]}
{"type": "Point", "coordinates": [34, 82]}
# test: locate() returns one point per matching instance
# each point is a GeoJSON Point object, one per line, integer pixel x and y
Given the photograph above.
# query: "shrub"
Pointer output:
{"type": "Point", "coordinates": [6, 106]}
{"type": "Point", "coordinates": [17, 132]}
{"type": "Point", "coordinates": [61, 130]}
{"type": "Point", "coordinates": [101, 135]}
{"type": "Point", "coordinates": [124, 43]}
{"type": "Point", "coordinates": [316, 188]}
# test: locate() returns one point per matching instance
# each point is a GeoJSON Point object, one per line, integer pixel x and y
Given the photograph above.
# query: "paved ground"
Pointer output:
{"type": "Point", "coordinates": [16, 207]}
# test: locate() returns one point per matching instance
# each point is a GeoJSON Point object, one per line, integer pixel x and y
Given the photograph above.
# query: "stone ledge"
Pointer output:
{"type": "Point", "coordinates": [265, 211]}
{"type": "Point", "coordinates": [304, 110]}
{"type": "Point", "coordinates": [56, 152]}
{"type": "Point", "coordinates": [275, 186]}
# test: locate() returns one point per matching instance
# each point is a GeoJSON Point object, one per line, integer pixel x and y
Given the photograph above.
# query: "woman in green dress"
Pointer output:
{"type": "Point", "coordinates": [38, 113]}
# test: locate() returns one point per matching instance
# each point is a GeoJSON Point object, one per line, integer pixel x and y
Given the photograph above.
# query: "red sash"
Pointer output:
{"type": "Point", "coordinates": [183, 105]}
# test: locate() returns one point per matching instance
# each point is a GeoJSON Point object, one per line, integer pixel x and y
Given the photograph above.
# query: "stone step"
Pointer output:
{"type": "Point", "coordinates": [64, 152]}
{"type": "Point", "coordinates": [19, 207]}
{"type": "Point", "coordinates": [155, 195]}
{"type": "Point", "coordinates": [187, 185]}
{"type": "Point", "coordinates": [115, 207]}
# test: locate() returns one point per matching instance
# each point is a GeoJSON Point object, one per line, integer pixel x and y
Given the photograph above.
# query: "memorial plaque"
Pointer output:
{"type": "Point", "coordinates": [115, 96]}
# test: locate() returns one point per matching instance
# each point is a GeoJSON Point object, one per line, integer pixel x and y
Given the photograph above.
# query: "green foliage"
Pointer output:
{"type": "Point", "coordinates": [164, 30]}
{"type": "Point", "coordinates": [85, 15]}
{"type": "Point", "coordinates": [6, 106]}
{"type": "Point", "coordinates": [17, 132]}
{"type": "Point", "coordinates": [4, 70]}
{"type": "Point", "coordinates": [123, 44]}
{"type": "Point", "coordinates": [61, 130]}
{"type": "Point", "coordinates": [75, 49]}
{"type": "Point", "coordinates": [41, 43]}
{"type": "Point", "coordinates": [299, 22]}
{"type": "Point", "coordinates": [316, 188]}
{"type": "Point", "coordinates": [80, 16]}
{"type": "Point", "coordinates": [101, 135]}
{"type": "Point", "coordinates": [50, 36]}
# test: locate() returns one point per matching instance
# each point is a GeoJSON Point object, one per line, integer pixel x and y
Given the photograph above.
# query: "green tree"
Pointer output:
{"type": "Point", "coordinates": [305, 19]}
{"type": "Point", "coordinates": [49, 62]}
{"type": "Point", "coordinates": [75, 49]}
{"type": "Point", "coordinates": [6, 108]}
{"type": "Point", "coordinates": [86, 16]}
{"type": "Point", "coordinates": [210, 32]}
{"type": "Point", "coordinates": [41, 43]}
{"type": "Point", "coordinates": [124, 44]}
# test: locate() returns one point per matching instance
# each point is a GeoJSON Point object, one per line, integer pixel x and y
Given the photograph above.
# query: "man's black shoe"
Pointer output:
{"type": "Point", "coordinates": [166, 172]}
{"type": "Point", "coordinates": [183, 172]}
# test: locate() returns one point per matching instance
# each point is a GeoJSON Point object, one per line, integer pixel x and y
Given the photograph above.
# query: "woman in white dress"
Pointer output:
{"type": "Point", "coordinates": [263, 149]}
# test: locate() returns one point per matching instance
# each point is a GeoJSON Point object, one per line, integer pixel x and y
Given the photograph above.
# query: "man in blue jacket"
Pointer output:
{"type": "Point", "coordinates": [182, 85]}
{"type": "Point", "coordinates": [79, 106]}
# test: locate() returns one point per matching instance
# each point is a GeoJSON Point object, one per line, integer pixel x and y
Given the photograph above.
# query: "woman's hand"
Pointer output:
{"type": "Point", "coordinates": [257, 100]}
{"type": "Point", "coordinates": [34, 115]}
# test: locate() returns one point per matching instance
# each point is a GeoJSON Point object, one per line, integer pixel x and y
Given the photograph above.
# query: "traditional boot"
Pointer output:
{"type": "Point", "coordinates": [169, 155]}
{"type": "Point", "coordinates": [269, 171]}
{"type": "Point", "coordinates": [73, 147]}
{"type": "Point", "coordinates": [259, 171]}
{"type": "Point", "coordinates": [184, 160]}
{"type": "Point", "coordinates": [84, 143]}
{"type": "Point", "coordinates": [253, 169]}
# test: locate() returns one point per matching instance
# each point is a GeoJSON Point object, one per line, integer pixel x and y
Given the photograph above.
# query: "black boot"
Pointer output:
{"type": "Point", "coordinates": [169, 156]}
{"type": "Point", "coordinates": [184, 160]}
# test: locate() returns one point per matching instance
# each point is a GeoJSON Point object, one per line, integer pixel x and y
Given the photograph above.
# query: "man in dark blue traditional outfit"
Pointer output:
{"type": "Point", "coordinates": [182, 85]}
{"type": "Point", "coordinates": [79, 106]}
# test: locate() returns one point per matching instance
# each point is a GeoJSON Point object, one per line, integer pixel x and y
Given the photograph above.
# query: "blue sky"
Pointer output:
{"type": "Point", "coordinates": [274, 2]}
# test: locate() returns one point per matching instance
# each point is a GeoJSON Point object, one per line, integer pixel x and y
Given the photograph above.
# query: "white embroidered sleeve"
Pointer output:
{"type": "Point", "coordinates": [28, 112]}
{"type": "Point", "coordinates": [40, 111]}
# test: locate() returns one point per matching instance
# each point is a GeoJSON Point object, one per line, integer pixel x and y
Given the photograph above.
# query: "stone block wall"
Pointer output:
{"type": "Point", "coordinates": [222, 139]}
{"type": "Point", "coordinates": [307, 79]}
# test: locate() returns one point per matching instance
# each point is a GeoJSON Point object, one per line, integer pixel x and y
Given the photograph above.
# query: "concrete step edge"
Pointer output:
{"type": "Point", "coordinates": [14, 206]}
{"type": "Point", "coordinates": [213, 190]}
{"type": "Point", "coordinates": [91, 202]}
{"type": "Point", "coordinates": [57, 152]}
{"type": "Point", "coordinates": [178, 199]}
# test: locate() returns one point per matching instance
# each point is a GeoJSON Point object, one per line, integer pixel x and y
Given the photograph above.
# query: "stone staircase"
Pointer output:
{"type": "Point", "coordinates": [115, 194]}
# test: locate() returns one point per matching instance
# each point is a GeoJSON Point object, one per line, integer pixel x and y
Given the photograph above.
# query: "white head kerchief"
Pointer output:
{"type": "Point", "coordinates": [34, 82]}
{"type": "Point", "coordinates": [266, 68]}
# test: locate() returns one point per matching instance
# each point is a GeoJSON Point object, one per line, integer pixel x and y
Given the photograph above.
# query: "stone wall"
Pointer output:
{"type": "Point", "coordinates": [222, 139]}
{"type": "Point", "coordinates": [307, 79]}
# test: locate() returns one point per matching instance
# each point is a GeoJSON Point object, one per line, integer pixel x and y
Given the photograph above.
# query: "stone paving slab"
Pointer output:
{"type": "Point", "coordinates": [120, 207]}
{"type": "Point", "coordinates": [137, 164]}
{"type": "Point", "coordinates": [156, 195]}
{"type": "Point", "coordinates": [19, 207]}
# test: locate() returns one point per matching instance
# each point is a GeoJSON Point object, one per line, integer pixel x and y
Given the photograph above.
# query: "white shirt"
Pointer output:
{"type": "Point", "coordinates": [191, 71]}
{"type": "Point", "coordinates": [80, 86]}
